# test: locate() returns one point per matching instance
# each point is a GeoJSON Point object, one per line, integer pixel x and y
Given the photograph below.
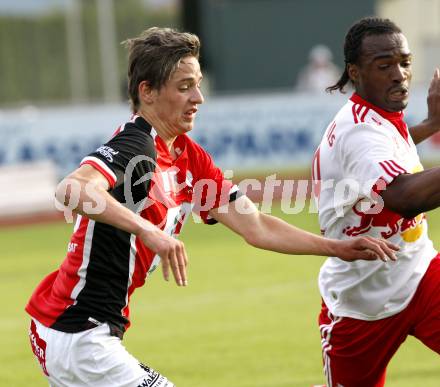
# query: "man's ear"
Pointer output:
{"type": "Point", "coordinates": [145, 92]}
{"type": "Point", "coordinates": [353, 72]}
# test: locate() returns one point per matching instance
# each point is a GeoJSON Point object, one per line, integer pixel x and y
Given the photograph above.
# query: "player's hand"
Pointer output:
{"type": "Point", "coordinates": [434, 101]}
{"type": "Point", "coordinates": [171, 251]}
{"type": "Point", "coordinates": [366, 248]}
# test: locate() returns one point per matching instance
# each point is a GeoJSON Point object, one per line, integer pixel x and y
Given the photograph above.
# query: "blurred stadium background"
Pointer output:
{"type": "Point", "coordinates": [248, 318]}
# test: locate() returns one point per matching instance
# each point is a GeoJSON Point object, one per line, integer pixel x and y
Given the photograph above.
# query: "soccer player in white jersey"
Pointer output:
{"type": "Point", "coordinates": [145, 180]}
{"type": "Point", "coordinates": [368, 180]}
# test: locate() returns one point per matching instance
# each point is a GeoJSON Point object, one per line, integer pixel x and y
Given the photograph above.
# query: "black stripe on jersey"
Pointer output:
{"type": "Point", "coordinates": [131, 154]}
{"type": "Point", "coordinates": [104, 294]}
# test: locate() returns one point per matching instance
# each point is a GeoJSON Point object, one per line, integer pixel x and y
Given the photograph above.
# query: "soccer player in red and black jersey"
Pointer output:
{"type": "Point", "coordinates": [132, 196]}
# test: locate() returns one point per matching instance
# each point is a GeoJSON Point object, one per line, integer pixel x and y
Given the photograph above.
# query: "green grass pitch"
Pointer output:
{"type": "Point", "coordinates": [247, 318]}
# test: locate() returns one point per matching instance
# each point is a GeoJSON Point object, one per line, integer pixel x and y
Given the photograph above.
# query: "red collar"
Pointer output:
{"type": "Point", "coordinates": [396, 118]}
{"type": "Point", "coordinates": [180, 147]}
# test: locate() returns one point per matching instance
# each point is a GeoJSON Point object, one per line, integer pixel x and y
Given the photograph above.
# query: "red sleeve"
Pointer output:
{"type": "Point", "coordinates": [101, 167]}
{"type": "Point", "coordinates": [211, 189]}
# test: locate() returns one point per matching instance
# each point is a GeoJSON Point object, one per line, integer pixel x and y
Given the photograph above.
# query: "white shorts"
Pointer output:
{"type": "Point", "coordinates": [89, 358]}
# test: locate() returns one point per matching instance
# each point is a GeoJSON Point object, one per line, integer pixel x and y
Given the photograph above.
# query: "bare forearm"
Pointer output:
{"type": "Point", "coordinates": [279, 236]}
{"type": "Point", "coordinates": [115, 214]}
{"type": "Point", "coordinates": [97, 204]}
{"type": "Point", "coordinates": [423, 131]}
{"type": "Point", "coordinates": [270, 233]}
{"type": "Point", "coordinates": [410, 195]}
{"type": "Point", "coordinates": [85, 192]}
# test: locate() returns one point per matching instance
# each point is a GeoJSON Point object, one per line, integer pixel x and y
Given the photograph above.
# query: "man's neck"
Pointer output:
{"type": "Point", "coordinates": [161, 129]}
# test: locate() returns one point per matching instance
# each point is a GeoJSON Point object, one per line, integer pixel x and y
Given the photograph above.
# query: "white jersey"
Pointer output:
{"type": "Point", "coordinates": [362, 151]}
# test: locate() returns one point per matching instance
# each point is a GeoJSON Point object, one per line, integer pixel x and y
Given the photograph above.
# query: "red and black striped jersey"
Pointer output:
{"type": "Point", "coordinates": [104, 265]}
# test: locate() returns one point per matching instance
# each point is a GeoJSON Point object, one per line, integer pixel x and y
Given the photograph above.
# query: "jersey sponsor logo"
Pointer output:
{"type": "Point", "coordinates": [169, 181]}
{"type": "Point", "coordinates": [412, 229]}
{"type": "Point", "coordinates": [165, 186]}
{"type": "Point", "coordinates": [153, 378]}
{"type": "Point", "coordinates": [385, 219]}
{"type": "Point", "coordinates": [38, 346]}
{"type": "Point", "coordinates": [107, 152]}
{"type": "Point", "coordinates": [389, 223]}
{"type": "Point", "coordinates": [71, 247]}
{"type": "Point", "coordinates": [167, 190]}
{"type": "Point", "coordinates": [160, 382]}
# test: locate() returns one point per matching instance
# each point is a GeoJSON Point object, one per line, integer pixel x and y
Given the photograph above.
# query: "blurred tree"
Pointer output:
{"type": "Point", "coordinates": [131, 24]}
{"type": "Point", "coordinates": [34, 59]}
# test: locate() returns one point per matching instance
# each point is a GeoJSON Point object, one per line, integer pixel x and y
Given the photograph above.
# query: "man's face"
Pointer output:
{"type": "Point", "coordinates": [175, 104]}
{"type": "Point", "coordinates": [383, 74]}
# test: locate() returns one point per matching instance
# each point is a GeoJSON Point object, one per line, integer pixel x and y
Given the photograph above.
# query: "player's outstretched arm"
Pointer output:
{"type": "Point", "coordinates": [430, 125]}
{"type": "Point", "coordinates": [85, 192]}
{"type": "Point", "coordinates": [271, 233]}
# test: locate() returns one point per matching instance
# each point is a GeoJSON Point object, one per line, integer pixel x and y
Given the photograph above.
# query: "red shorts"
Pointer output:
{"type": "Point", "coordinates": [356, 352]}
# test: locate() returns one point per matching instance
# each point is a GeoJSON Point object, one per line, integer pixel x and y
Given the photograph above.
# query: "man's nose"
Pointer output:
{"type": "Point", "coordinates": [197, 96]}
{"type": "Point", "coordinates": [399, 74]}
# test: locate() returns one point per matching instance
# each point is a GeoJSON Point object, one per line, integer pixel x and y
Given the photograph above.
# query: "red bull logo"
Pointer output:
{"type": "Point", "coordinates": [412, 229]}
{"type": "Point", "coordinates": [388, 221]}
